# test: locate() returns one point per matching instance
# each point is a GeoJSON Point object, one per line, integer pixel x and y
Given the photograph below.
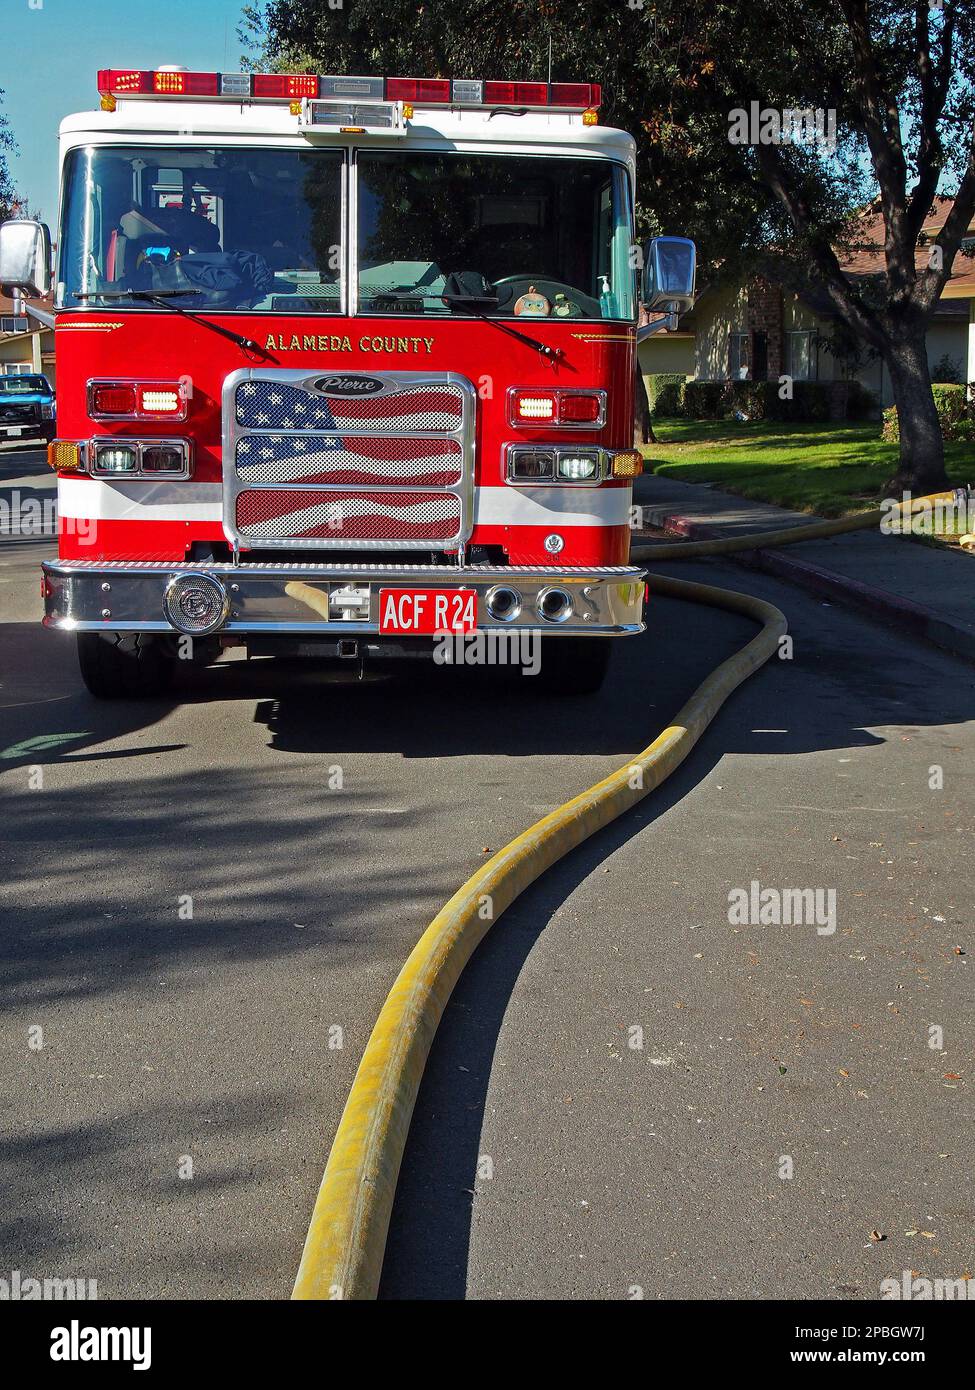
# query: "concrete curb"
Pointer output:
{"type": "Point", "coordinates": [879, 604]}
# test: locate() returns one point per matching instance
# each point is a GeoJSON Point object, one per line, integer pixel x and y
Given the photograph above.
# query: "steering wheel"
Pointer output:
{"type": "Point", "coordinates": [532, 279]}
{"type": "Point", "coordinates": [588, 306]}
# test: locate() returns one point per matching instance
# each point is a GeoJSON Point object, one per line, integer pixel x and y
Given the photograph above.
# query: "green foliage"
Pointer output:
{"type": "Point", "coordinates": [947, 369]}
{"type": "Point", "coordinates": [663, 392]}
{"type": "Point", "coordinates": [956, 412]}
{"type": "Point", "coordinates": [7, 146]}
{"type": "Point", "coordinates": [758, 400]}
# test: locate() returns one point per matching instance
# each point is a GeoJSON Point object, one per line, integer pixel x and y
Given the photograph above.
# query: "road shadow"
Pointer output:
{"type": "Point", "coordinates": [833, 679]}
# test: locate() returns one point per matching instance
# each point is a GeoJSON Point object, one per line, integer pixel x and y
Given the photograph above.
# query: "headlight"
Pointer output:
{"type": "Point", "coordinates": [162, 458]}
{"type": "Point", "coordinates": [541, 464]}
{"type": "Point", "coordinates": [141, 458]}
{"type": "Point", "coordinates": [47, 411]}
{"type": "Point", "coordinates": [116, 458]}
{"type": "Point", "coordinates": [577, 467]}
{"type": "Point", "coordinates": [531, 465]}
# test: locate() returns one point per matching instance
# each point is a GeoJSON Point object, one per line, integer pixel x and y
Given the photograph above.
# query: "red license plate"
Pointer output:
{"type": "Point", "coordinates": [425, 612]}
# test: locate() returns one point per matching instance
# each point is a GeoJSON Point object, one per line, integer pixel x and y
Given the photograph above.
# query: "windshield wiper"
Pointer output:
{"type": "Point", "coordinates": [162, 299]}
{"type": "Point", "coordinates": [471, 301]}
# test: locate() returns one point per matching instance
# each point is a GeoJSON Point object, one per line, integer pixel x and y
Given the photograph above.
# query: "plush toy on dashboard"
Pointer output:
{"type": "Point", "coordinates": [533, 304]}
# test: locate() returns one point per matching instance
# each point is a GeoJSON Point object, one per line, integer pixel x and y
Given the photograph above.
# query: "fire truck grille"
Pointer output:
{"type": "Point", "coordinates": [273, 405]}
{"type": "Point", "coordinates": [348, 459]}
{"type": "Point", "coordinates": [278, 514]}
{"type": "Point", "coordinates": [277, 458]}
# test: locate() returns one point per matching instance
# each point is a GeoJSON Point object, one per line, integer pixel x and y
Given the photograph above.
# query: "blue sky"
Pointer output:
{"type": "Point", "coordinates": [52, 50]}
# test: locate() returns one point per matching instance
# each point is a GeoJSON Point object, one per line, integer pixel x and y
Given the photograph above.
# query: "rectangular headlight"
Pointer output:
{"type": "Point", "coordinates": [578, 467]}
{"type": "Point", "coordinates": [116, 458]}
{"type": "Point", "coordinates": [140, 458]}
{"type": "Point", "coordinates": [531, 465]}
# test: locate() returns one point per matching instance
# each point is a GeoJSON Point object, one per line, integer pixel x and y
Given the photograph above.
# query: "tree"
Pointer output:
{"type": "Point", "coordinates": [897, 77]}
{"type": "Point", "coordinates": [7, 146]}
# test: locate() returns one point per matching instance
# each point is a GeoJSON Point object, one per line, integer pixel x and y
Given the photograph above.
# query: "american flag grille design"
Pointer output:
{"type": "Point", "coordinates": [337, 516]}
{"type": "Point", "coordinates": [275, 405]}
{"type": "Point", "coordinates": [275, 458]}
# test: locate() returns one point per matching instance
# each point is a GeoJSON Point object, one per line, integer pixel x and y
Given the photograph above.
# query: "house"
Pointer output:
{"type": "Point", "coordinates": [763, 331]}
{"type": "Point", "coordinates": [25, 346]}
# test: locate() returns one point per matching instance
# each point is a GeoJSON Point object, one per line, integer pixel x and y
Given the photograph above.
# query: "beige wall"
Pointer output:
{"type": "Point", "coordinates": [664, 353]}
{"type": "Point", "coordinates": [718, 314]}
{"type": "Point", "coordinates": [33, 352]}
{"type": "Point", "coordinates": [723, 312]}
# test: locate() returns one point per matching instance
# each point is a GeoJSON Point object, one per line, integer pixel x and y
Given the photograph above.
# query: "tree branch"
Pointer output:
{"type": "Point", "coordinates": [835, 283]}
{"type": "Point", "coordinates": [935, 80]}
{"type": "Point", "coordinates": [881, 123]}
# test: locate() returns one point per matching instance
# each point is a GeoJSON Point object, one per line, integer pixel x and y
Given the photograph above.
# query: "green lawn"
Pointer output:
{"type": "Point", "coordinates": [828, 469]}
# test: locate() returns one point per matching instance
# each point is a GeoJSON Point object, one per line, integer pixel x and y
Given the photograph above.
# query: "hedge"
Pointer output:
{"type": "Point", "coordinates": [956, 411]}
{"type": "Point", "coordinates": [755, 400]}
{"type": "Point", "coordinates": [663, 391]}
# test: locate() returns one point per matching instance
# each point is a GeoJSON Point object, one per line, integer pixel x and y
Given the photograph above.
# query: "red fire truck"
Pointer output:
{"type": "Point", "coordinates": [344, 363]}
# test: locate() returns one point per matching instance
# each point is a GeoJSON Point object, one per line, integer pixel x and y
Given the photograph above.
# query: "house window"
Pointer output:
{"type": "Point", "coordinates": [14, 324]}
{"type": "Point", "coordinates": [15, 368]}
{"type": "Point", "coordinates": [801, 356]}
{"type": "Point", "coordinates": [738, 356]}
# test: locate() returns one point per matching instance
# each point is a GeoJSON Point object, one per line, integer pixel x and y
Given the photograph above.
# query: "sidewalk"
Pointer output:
{"type": "Point", "coordinates": [926, 591]}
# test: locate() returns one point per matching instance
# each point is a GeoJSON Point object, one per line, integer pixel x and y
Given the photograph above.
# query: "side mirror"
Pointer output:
{"type": "Point", "coordinates": [25, 258]}
{"type": "Point", "coordinates": [669, 266]}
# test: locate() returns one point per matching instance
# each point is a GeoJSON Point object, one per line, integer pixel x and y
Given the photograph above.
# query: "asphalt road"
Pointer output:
{"type": "Point", "coordinates": [169, 1136]}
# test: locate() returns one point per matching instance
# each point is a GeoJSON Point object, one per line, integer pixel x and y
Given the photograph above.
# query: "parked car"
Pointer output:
{"type": "Point", "coordinates": [27, 409]}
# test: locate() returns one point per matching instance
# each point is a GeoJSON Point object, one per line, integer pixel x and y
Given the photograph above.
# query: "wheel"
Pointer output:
{"type": "Point", "coordinates": [124, 666]}
{"type": "Point", "coordinates": [574, 665]}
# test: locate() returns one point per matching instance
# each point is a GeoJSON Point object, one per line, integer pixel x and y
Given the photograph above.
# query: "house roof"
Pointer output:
{"type": "Point", "coordinates": [868, 259]}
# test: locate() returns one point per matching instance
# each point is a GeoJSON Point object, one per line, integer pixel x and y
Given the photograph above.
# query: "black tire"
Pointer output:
{"type": "Point", "coordinates": [124, 666]}
{"type": "Point", "coordinates": [574, 665]}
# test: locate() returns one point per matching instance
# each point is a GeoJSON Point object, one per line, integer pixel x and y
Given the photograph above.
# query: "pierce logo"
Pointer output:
{"type": "Point", "coordinates": [348, 385]}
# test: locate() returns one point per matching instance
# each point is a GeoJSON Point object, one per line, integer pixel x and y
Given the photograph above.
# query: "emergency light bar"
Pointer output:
{"type": "Point", "coordinates": [419, 91]}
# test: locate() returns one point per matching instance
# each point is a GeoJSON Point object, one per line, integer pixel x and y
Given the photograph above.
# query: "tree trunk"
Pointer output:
{"type": "Point", "coordinates": [643, 423]}
{"type": "Point", "coordinates": [922, 448]}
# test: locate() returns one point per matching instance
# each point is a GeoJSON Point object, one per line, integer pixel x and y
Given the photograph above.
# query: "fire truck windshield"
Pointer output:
{"type": "Point", "coordinates": [255, 229]}
{"type": "Point", "coordinates": [261, 230]}
{"type": "Point", "coordinates": [532, 236]}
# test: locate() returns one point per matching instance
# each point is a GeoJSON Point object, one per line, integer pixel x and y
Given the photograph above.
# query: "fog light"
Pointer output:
{"type": "Point", "coordinates": [196, 603]}
{"type": "Point", "coordinates": [554, 605]}
{"type": "Point", "coordinates": [576, 467]}
{"type": "Point", "coordinates": [502, 603]}
{"type": "Point", "coordinates": [116, 458]}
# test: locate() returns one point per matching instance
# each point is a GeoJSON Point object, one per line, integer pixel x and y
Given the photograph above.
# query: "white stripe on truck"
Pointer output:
{"type": "Point", "coordinates": [101, 499]}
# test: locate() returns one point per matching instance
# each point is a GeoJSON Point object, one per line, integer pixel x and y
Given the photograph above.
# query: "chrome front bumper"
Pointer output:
{"type": "Point", "coordinates": [127, 596]}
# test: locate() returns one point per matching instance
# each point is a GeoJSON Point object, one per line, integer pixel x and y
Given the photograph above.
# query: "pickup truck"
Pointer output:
{"type": "Point", "coordinates": [27, 408]}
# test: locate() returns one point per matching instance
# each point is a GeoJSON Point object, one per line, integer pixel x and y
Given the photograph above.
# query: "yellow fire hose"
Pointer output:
{"type": "Point", "coordinates": [787, 535]}
{"type": "Point", "coordinates": [343, 1253]}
